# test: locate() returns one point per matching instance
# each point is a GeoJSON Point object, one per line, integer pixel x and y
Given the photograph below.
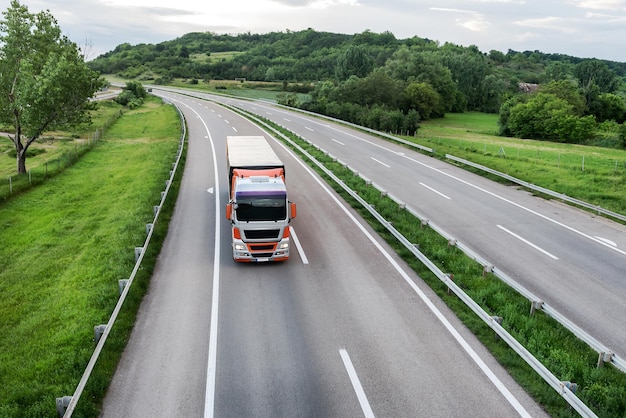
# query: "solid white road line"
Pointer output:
{"type": "Point", "coordinates": [209, 396]}
{"type": "Point", "coordinates": [298, 246]}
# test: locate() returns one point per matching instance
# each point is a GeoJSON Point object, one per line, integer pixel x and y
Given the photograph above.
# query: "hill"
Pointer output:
{"type": "Point", "coordinates": [389, 84]}
{"type": "Point", "coordinates": [302, 56]}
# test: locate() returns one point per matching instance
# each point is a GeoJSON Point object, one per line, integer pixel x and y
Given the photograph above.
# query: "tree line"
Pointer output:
{"type": "Point", "coordinates": [379, 81]}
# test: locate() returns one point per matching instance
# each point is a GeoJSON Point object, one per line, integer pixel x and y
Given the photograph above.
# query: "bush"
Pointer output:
{"type": "Point", "coordinates": [132, 95]}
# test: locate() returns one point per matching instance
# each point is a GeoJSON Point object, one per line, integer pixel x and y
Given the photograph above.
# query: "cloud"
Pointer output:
{"type": "Point", "coordinates": [468, 19]}
{"type": "Point", "coordinates": [552, 23]}
{"type": "Point", "coordinates": [318, 4]}
{"type": "Point", "coordinates": [616, 5]}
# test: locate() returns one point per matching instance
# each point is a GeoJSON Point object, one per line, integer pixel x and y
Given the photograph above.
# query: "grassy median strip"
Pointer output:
{"type": "Point", "coordinates": [66, 244]}
{"type": "Point", "coordinates": [567, 357]}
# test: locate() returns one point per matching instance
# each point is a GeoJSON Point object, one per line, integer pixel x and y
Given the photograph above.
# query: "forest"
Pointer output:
{"type": "Point", "coordinates": [390, 84]}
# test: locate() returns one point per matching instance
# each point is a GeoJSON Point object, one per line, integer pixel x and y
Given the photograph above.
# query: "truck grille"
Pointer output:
{"type": "Point", "coordinates": [261, 233]}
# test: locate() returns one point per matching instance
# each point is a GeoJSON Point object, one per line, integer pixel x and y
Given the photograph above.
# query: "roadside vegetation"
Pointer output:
{"type": "Point", "coordinates": [596, 175]}
{"type": "Point", "coordinates": [66, 244]}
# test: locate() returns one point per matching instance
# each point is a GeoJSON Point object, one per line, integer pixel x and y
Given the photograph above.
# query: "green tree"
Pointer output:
{"type": "Point", "coordinates": [354, 61]}
{"type": "Point", "coordinates": [468, 68]}
{"type": "Point", "coordinates": [44, 82]}
{"type": "Point", "coordinates": [594, 78]}
{"type": "Point", "coordinates": [423, 98]}
{"type": "Point", "coordinates": [566, 90]}
{"type": "Point", "coordinates": [609, 106]}
{"type": "Point", "coordinates": [410, 65]}
{"type": "Point", "coordinates": [558, 70]}
{"type": "Point", "coordinates": [546, 116]}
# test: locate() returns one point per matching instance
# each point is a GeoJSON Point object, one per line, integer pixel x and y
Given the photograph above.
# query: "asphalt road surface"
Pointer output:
{"type": "Point", "coordinates": [342, 329]}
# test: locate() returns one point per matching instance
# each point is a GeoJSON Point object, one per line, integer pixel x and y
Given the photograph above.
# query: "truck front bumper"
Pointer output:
{"type": "Point", "coordinates": [260, 252]}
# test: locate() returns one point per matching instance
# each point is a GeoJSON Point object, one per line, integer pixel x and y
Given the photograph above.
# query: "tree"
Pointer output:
{"type": "Point", "coordinates": [594, 78]}
{"type": "Point", "coordinates": [44, 82]}
{"type": "Point", "coordinates": [546, 116]}
{"type": "Point", "coordinates": [423, 98]}
{"type": "Point", "coordinates": [566, 90]}
{"type": "Point", "coordinates": [608, 106]}
{"type": "Point", "coordinates": [354, 61]}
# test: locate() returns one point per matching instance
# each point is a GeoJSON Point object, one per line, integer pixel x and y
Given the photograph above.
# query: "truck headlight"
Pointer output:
{"type": "Point", "coordinates": [284, 246]}
{"type": "Point", "coordinates": [240, 247]}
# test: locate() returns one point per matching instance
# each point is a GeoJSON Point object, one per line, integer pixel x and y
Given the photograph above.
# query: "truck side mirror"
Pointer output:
{"type": "Point", "coordinates": [229, 211]}
{"type": "Point", "coordinates": [292, 210]}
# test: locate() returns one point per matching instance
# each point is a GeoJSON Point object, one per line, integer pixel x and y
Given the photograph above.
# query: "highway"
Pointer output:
{"type": "Point", "coordinates": [571, 259]}
{"type": "Point", "coordinates": [342, 329]}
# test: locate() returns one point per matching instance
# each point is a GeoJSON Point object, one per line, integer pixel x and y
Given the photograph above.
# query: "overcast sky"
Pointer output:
{"type": "Point", "coordinates": [582, 28]}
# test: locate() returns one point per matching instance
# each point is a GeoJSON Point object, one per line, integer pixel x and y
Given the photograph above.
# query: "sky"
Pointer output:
{"type": "Point", "coordinates": [581, 28]}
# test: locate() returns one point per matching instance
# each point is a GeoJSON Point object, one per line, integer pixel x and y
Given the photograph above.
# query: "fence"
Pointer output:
{"type": "Point", "coordinates": [47, 169]}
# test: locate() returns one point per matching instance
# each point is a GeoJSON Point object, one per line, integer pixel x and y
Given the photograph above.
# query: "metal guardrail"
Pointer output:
{"type": "Point", "coordinates": [67, 404]}
{"type": "Point", "coordinates": [562, 388]}
{"type": "Point", "coordinates": [604, 353]}
{"type": "Point", "coordinates": [540, 189]}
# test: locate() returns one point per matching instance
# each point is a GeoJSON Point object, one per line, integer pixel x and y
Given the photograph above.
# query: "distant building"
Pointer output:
{"type": "Point", "coordinates": [528, 87]}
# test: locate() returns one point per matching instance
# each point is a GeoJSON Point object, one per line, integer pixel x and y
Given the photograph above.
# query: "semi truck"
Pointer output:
{"type": "Point", "coordinates": [258, 207]}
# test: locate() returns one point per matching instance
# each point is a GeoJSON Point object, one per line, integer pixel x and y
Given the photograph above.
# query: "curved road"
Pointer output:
{"type": "Point", "coordinates": [342, 329]}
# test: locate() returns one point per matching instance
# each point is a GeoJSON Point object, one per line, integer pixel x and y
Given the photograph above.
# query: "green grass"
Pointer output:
{"type": "Point", "coordinates": [65, 245]}
{"type": "Point", "coordinates": [53, 152]}
{"type": "Point", "coordinates": [215, 57]}
{"type": "Point", "coordinates": [593, 174]}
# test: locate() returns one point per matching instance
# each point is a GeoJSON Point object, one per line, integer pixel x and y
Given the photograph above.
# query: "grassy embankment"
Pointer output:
{"type": "Point", "coordinates": [53, 152]}
{"type": "Point", "coordinates": [66, 244]}
{"type": "Point", "coordinates": [593, 174]}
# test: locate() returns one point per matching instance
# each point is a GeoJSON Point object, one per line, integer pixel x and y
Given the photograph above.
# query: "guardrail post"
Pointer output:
{"type": "Point", "coordinates": [122, 285]}
{"type": "Point", "coordinates": [603, 358]}
{"type": "Point", "coordinates": [149, 228]}
{"type": "Point", "coordinates": [570, 385]}
{"type": "Point", "coordinates": [138, 251]}
{"type": "Point", "coordinates": [498, 320]}
{"type": "Point", "coordinates": [424, 223]}
{"type": "Point", "coordinates": [451, 277]}
{"type": "Point", "coordinates": [487, 269]}
{"type": "Point", "coordinates": [62, 404]}
{"type": "Point", "coordinates": [534, 305]}
{"type": "Point", "coordinates": [156, 208]}
{"type": "Point", "coordinates": [98, 330]}
{"type": "Point", "coordinates": [451, 242]}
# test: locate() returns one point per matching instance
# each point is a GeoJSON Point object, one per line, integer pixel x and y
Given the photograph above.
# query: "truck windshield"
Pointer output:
{"type": "Point", "coordinates": [262, 208]}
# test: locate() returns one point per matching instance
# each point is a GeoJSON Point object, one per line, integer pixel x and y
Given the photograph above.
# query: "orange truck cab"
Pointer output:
{"type": "Point", "coordinates": [258, 208]}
